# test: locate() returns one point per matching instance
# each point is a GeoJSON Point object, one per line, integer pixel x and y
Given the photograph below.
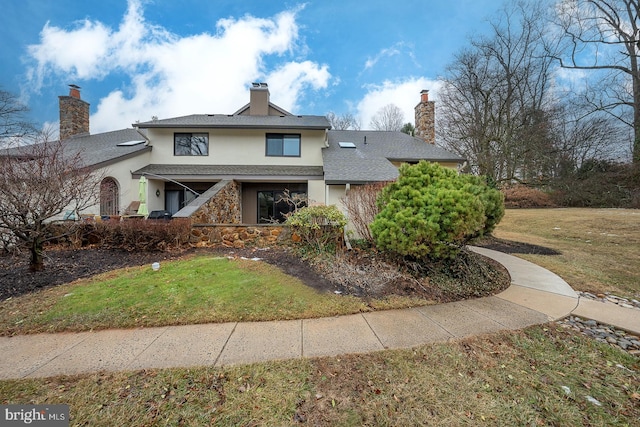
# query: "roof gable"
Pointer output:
{"type": "Point", "coordinates": [274, 110]}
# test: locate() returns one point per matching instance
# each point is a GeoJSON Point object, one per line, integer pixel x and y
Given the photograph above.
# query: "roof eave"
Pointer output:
{"type": "Point", "coordinates": [355, 182]}
{"type": "Point", "coordinates": [120, 157]}
{"type": "Point", "coordinates": [214, 126]}
{"type": "Point", "coordinates": [416, 159]}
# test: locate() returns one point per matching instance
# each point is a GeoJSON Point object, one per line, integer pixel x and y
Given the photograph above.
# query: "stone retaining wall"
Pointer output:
{"type": "Point", "coordinates": [237, 236]}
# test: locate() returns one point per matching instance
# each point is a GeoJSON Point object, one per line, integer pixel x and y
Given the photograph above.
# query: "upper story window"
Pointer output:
{"type": "Point", "coordinates": [283, 145]}
{"type": "Point", "coordinates": [191, 144]}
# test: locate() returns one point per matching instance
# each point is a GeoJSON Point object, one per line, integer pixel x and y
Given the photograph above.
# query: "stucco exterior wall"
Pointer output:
{"type": "Point", "coordinates": [334, 194]}
{"type": "Point", "coordinates": [237, 147]}
{"type": "Point", "coordinates": [128, 187]}
{"type": "Point", "coordinates": [316, 192]}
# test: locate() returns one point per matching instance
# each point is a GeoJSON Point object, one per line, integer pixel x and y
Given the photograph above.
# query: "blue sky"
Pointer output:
{"type": "Point", "coordinates": [141, 58]}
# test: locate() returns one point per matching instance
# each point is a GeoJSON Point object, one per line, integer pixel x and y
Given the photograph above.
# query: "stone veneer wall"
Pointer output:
{"type": "Point", "coordinates": [237, 236]}
{"type": "Point", "coordinates": [426, 121]}
{"type": "Point", "coordinates": [221, 205]}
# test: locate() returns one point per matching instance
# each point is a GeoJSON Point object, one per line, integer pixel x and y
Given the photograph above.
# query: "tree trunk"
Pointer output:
{"type": "Point", "coordinates": [37, 260]}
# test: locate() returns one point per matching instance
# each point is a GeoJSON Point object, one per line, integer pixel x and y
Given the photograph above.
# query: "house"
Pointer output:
{"type": "Point", "coordinates": [257, 153]}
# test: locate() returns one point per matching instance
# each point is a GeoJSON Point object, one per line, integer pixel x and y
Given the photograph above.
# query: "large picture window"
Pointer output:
{"type": "Point", "coordinates": [283, 145]}
{"type": "Point", "coordinates": [273, 206]}
{"type": "Point", "coordinates": [191, 144]}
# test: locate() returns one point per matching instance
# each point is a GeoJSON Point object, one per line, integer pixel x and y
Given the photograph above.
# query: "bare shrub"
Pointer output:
{"type": "Point", "coordinates": [130, 235]}
{"type": "Point", "coordinates": [522, 196]}
{"type": "Point", "coordinates": [361, 205]}
{"type": "Point", "coordinates": [368, 277]}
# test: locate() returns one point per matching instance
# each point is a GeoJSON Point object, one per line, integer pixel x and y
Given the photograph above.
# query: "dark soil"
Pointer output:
{"type": "Point", "coordinates": [66, 265]}
{"type": "Point", "coordinates": [511, 247]}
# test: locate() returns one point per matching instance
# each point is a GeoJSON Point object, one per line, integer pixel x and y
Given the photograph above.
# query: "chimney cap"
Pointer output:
{"type": "Point", "coordinates": [74, 91]}
{"type": "Point", "coordinates": [259, 85]}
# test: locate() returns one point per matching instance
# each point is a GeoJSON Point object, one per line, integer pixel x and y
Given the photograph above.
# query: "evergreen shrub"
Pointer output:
{"type": "Point", "coordinates": [433, 211]}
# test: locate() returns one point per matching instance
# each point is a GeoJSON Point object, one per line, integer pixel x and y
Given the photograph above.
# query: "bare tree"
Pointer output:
{"type": "Point", "coordinates": [388, 118]}
{"type": "Point", "coordinates": [38, 183]}
{"type": "Point", "coordinates": [345, 121]}
{"type": "Point", "coordinates": [13, 124]}
{"type": "Point", "coordinates": [496, 101]}
{"type": "Point", "coordinates": [603, 36]}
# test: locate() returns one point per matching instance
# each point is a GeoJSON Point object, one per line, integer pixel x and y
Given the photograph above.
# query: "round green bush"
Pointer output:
{"type": "Point", "coordinates": [432, 211]}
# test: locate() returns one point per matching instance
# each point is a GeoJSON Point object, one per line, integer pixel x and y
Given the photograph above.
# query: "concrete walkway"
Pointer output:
{"type": "Point", "coordinates": [535, 296]}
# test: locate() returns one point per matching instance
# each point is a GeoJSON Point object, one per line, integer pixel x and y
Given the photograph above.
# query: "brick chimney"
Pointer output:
{"type": "Point", "coordinates": [259, 99]}
{"type": "Point", "coordinates": [74, 114]}
{"type": "Point", "coordinates": [426, 118]}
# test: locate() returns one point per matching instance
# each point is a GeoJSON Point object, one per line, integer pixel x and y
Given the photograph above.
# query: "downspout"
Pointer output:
{"type": "Point", "coordinates": [148, 141]}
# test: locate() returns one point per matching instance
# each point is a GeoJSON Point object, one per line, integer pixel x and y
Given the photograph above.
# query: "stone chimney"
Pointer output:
{"type": "Point", "coordinates": [426, 118]}
{"type": "Point", "coordinates": [259, 100]}
{"type": "Point", "coordinates": [74, 114]}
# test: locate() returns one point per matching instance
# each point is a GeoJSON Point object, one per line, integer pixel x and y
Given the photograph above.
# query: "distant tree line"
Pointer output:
{"type": "Point", "coordinates": [550, 98]}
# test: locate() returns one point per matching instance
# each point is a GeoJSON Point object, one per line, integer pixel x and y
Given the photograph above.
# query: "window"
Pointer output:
{"type": "Point", "coordinates": [191, 144]}
{"type": "Point", "coordinates": [109, 197]}
{"type": "Point", "coordinates": [283, 145]}
{"type": "Point", "coordinates": [174, 200]}
{"type": "Point", "coordinates": [272, 206]}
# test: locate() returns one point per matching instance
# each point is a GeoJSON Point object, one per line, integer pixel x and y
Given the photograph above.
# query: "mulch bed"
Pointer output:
{"type": "Point", "coordinates": [511, 247]}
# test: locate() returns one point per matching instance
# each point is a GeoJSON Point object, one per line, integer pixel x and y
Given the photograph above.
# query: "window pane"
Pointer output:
{"type": "Point", "coordinates": [182, 144]}
{"type": "Point", "coordinates": [199, 144]}
{"type": "Point", "coordinates": [265, 206]}
{"type": "Point", "coordinates": [188, 144]}
{"type": "Point", "coordinates": [172, 200]}
{"type": "Point", "coordinates": [291, 145]}
{"type": "Point", "coordinates": [274, 145]}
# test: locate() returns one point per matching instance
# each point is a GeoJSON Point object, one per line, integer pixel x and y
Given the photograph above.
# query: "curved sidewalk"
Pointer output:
{"type": "Point", "coordinates": [535, 296]}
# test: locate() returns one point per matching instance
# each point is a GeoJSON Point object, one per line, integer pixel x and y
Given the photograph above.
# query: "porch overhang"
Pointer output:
{"type": "Point", "coordinates": [242, 173]}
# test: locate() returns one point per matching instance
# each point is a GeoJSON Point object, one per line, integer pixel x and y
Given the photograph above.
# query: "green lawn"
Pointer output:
{"type": "Point", "coordinates": [195, 290]}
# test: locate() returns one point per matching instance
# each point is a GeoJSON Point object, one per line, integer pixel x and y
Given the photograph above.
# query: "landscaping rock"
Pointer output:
{"type": "Point", "coordinates": [604, 333]}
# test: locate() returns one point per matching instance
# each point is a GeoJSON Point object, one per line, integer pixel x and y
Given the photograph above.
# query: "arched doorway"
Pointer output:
{"type": "Point", "coordinates": [109, 197]}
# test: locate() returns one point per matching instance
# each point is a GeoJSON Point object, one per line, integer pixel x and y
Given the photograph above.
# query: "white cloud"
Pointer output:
{"type": "Point", "coordinates": [168, 75]}
{"type": "Point", "coordinates": [384, 53]}
{"type": "Point", "coordinates": [405, 94]}
{"type": "Point", "coordinates": [290, 80]}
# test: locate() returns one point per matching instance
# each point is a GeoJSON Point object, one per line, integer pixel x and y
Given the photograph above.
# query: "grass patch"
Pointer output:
{"type": "Point", "coordinates": [195, 290]}
{"type": "Point", "coordinates": [600, 247]}
{"type": "Point", "coordinates": [516, 378]}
